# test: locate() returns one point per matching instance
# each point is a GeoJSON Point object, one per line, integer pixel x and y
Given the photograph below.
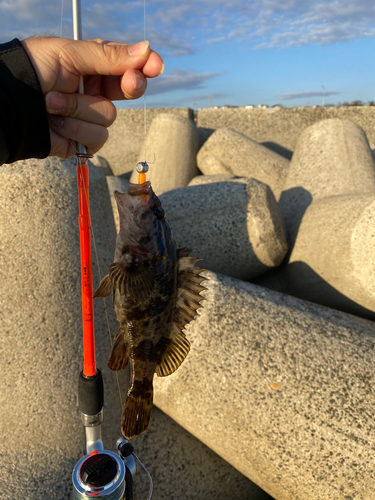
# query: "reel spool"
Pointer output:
{"type": "Point", "coordinates": [103, 474]}
{"type": "Point", "coordinates": [100, 475]}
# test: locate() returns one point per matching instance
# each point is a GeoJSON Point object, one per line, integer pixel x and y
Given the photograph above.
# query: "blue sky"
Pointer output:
{"type": "Point", "coordinates": [241, 52]}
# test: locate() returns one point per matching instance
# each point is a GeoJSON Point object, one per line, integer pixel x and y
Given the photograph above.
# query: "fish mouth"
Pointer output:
{"type": "Point", "coordinates": [137, 196]}
{"type": "Point", "coordinates": [139, 189]}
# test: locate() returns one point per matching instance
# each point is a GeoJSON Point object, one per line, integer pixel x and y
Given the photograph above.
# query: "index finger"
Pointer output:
{"type": "Point", "coordinates": [82, 58]}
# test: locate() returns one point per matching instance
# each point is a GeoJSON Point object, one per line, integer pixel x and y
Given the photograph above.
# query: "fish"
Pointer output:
{"type": "Point", "coordinates": [156, 291]}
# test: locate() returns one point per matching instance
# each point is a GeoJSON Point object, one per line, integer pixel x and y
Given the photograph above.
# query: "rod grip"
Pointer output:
{"type": "Point", "coordinates": [90, 393]}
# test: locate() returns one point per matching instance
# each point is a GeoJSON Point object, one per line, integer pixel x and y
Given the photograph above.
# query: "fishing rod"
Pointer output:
{"type": "Point", "coordinates": [100, 473]}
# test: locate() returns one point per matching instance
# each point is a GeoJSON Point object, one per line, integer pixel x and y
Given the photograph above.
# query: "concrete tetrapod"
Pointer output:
{"type": "Point", "coordinates": [332, 261]}
{"type": "Point", "coordinates": [40, 349]}
{"type": "Point", "coordinates": [332, 157]}
{"type": "Point", "coordinates": [40, 325]}
{"type": "Point", "coordinates": [280, 388]}
{"type": "Point", "coordinates": [229, 152]}
{"type": "Point", "coordinates": [127, 134]}
{"type": "Point", "coordinates": [171, 148]}
{"type": "Point", "coordinates": [235, 226]}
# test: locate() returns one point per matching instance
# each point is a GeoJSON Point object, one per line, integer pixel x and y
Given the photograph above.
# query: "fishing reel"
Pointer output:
{"type": "Point", "coordinates": [102, 473]}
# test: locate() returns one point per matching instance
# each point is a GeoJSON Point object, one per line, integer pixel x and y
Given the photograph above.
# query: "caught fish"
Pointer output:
{"type": "Point", "coordinates": [156, 293]}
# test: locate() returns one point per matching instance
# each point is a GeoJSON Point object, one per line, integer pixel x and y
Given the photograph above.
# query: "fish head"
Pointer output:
{"type": "Point", "coordinates": [142, 220]}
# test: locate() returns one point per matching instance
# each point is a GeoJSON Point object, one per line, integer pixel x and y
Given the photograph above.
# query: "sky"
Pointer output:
{"type": "Point", "coordinates": [237, 52]}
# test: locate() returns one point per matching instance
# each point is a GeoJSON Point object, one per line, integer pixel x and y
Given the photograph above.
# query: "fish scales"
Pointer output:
{"type": "Point", "coordinates": [156, 293]}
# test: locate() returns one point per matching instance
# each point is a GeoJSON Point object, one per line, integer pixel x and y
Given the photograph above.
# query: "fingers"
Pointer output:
{"type": "Point", "coordinates": [91, 58]}
{"type": "Point", "coordinates": [87, 108]}
{"type": "Point", "coordinates": [154, 66]}
{"type": "Point", "coordinates": [66, 131]}
{"type": "Point", "coordinates": [59, 63]}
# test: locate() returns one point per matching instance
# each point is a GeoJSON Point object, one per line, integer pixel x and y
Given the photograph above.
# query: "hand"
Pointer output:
{"type": "Point", "coordinates": [112, 71]}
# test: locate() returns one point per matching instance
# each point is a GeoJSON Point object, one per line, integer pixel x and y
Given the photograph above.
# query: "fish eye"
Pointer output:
{"type": "Point", "coordinates": [159, 212]}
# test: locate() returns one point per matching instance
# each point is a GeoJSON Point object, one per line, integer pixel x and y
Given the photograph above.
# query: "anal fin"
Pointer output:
{"type": "Point", "coordinates": [120, 352]}
{"type": "Point", "coordinates": [175, 353]}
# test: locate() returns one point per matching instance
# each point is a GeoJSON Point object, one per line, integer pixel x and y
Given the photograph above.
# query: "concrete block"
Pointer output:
{"type": "Point", "coordinates": [235, 226]}
{"type": "Point", "coordinates": [171, 150]}
{"type": "Point", "coordinates": [332, 261]}
{"type": "Point", "coordinates": [41, 356]}
{"type": "Point", "coordinates": [280, 388]}
{"type": "Point", "coordinates": [116, 184]}
{"type": "Point", "coordinates": [279, 129]}
{"type": "Point", "coordinates": [40, 323]}
{"type": "Point", "coordinates": [210, 179]}
{"type": "Point", "coordinates": [332, 157]}
{"type": "Point", "coordinates": [229, 152]}
{"type": "Point", "coordinates": [127, 135]}
{"type": "Point", "coordinates": [101, 162]}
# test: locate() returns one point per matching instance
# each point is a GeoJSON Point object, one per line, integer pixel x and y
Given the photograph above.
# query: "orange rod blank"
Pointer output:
{"type": "Point", "coordinates": [84, 219]}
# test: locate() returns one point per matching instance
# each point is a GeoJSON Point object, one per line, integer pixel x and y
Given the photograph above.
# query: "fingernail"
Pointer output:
{"type": "Point", "coordinates": [139, 48]}
{"type": "Point", "coordinates": [55, 102]}
{"type": "Point", "coordinates": [162, 69]}
{"type": "Point", "coordinates": [139, 81]}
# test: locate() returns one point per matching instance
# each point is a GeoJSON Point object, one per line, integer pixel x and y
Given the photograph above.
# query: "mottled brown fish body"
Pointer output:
{"type": "Point", "coordinates": [156, 293]}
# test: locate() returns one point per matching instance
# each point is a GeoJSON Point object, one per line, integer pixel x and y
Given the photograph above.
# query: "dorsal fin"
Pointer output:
{"type": "Point", "coordinates": [175, 353]}
{"type": "Point", "coordinates": [189, 288]}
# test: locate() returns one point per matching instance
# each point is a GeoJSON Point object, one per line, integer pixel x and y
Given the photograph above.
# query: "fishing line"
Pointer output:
{"type": "Point", "coordinates": [144, 95]}
{"type": "Point", "coordinates": [148, 475]}
{"type": "Point", "coordinates": [61, 21]}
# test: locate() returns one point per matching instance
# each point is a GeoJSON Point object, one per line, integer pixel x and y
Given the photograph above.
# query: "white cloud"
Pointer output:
{"type": "Point", "coordinates": [179, 80]}
{"type": "Point", "coordinates": [181, 28]}
{"type": "Point", "coordinates": [308, 94]}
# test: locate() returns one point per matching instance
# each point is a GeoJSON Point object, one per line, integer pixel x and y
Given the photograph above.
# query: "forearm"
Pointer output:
{"type": "Point", "coordinates": [24, 131]}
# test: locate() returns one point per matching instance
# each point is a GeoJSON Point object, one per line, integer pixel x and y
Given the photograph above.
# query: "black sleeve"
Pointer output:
{"type": "Point", "coordinates": [24, 131]}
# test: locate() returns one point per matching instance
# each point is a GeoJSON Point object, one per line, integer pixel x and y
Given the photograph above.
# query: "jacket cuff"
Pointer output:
{"type": "Point", "coordinates": [23, 115]}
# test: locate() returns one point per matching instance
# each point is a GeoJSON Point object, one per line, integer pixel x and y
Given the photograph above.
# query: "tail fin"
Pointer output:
{"type": "Point", "coordinates": [137, 412]}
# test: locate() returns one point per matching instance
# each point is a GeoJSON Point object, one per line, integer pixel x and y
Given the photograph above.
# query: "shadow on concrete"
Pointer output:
{"type": "Point", "coordinates": [277, 148]}
{"type": "Point", "coordinates": [293, 204]}
{"type": "Point", "coordinates": [300, 280]}
{"type": "Point", "coordinates": [127, 175]}
{"type": "Point", "coordinates": [204, 134]}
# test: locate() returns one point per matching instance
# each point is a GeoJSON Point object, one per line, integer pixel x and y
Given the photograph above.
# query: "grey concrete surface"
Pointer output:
{"type": "Point", "coordinates": [282, 388]}
{"type": "Point", "coordinates": [230, 152]}
{"type": "Point", "coordinates": [332, 157]}
{"type": "Point", "coordinates": [172, 144]}
{"type": "Point", "coordinates": [116, 184]}
{"type": "Point", "coordinates": [235, 226]}
{"type": "Point", "coordinates": [332, 259]}
{"type": "Point", "coordinates": [100, 162]}
{"type": "Point", "coordinates": [41, 355]}
{"type": "Point", "coordinates": [279, 129]}
{"type": "Point", "coordinates": [210, 179]}
{"type": "Point", "coordinates": [127, 134]}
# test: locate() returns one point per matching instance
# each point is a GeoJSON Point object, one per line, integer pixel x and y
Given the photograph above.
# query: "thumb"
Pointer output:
{"type": "Point", "coordinates": [100, 57]}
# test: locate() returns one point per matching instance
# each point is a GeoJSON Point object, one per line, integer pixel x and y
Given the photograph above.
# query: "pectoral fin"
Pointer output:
{"type": "Point", "coordinates": [135, 281]}
{"type": "Point", "coordinates": [176, 352]}
{"type": "Point", "coordinates": [119, 353]}
{"type": "Point", "coordinates": [104, 288]}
